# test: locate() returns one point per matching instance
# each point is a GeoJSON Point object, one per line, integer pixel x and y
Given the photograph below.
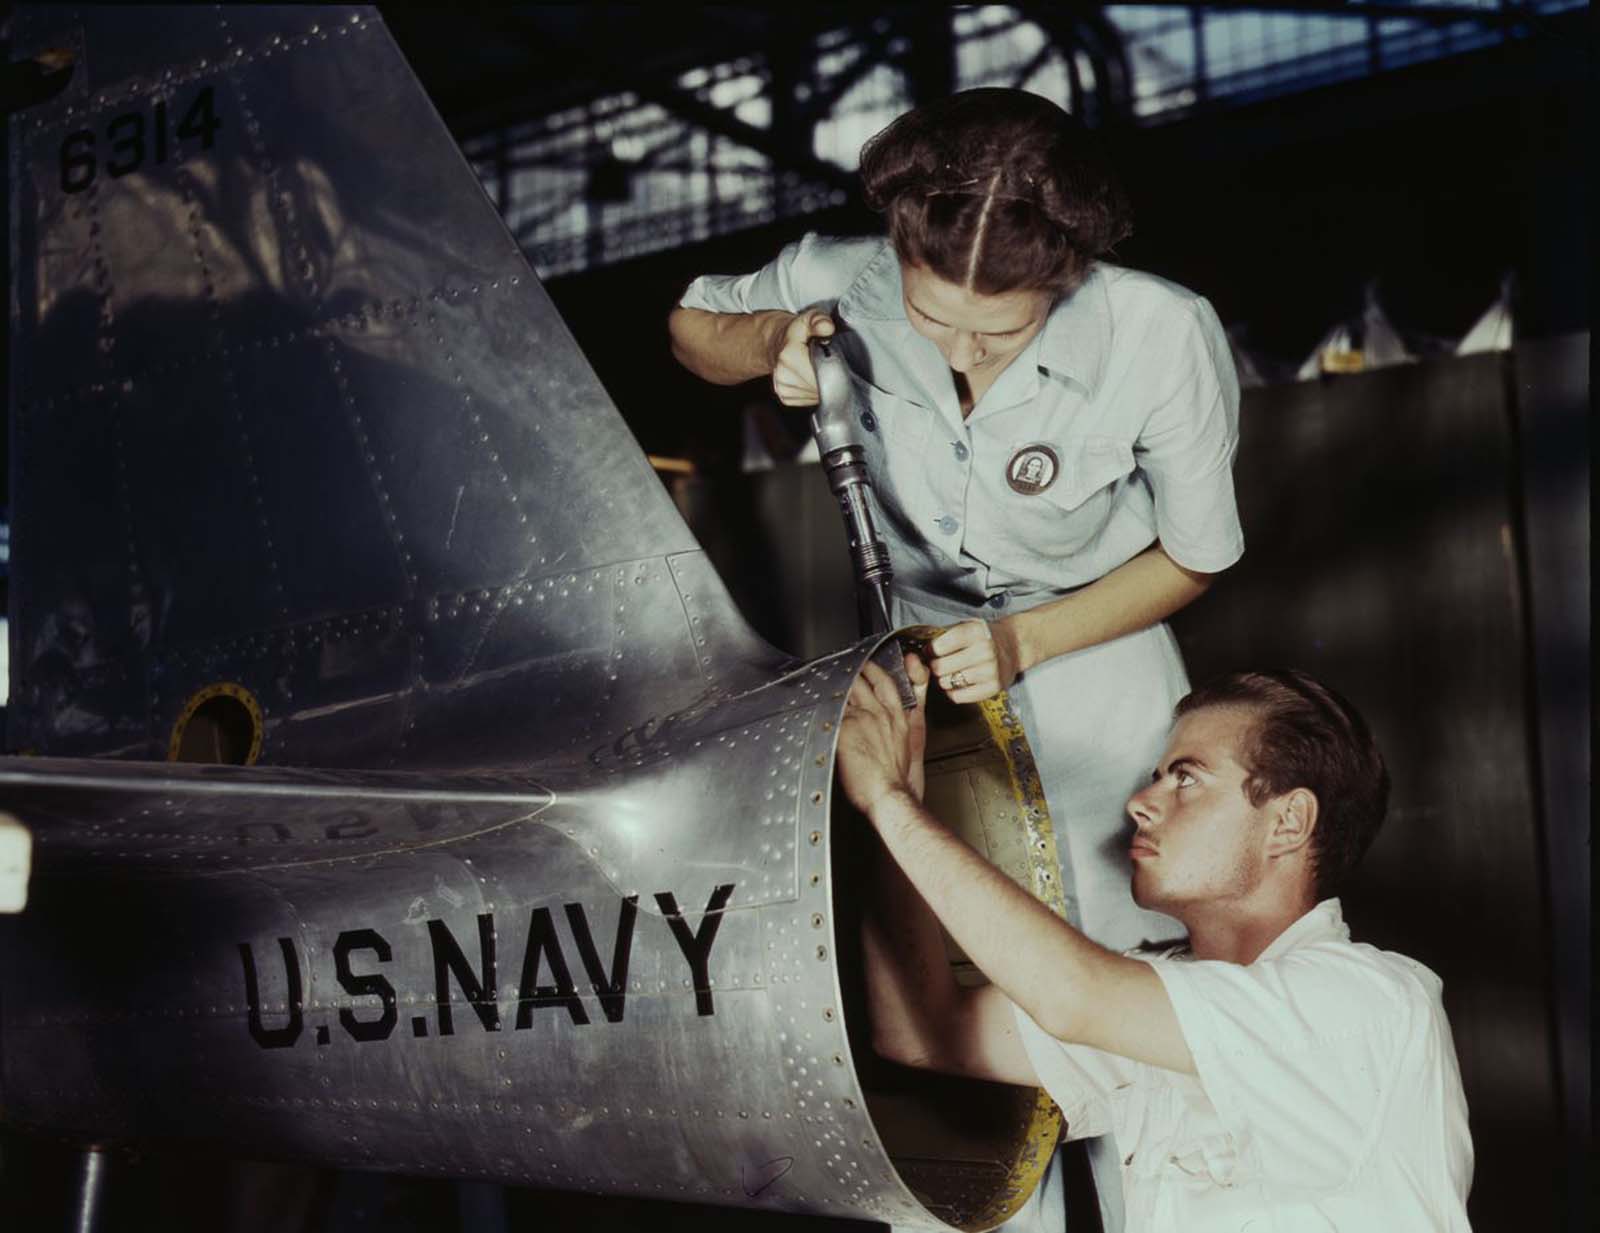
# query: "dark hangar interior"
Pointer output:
{"type": "Point", "coordinates": [1389, 206]}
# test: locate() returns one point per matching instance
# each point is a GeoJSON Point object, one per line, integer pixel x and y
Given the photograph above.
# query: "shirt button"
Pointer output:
{"type": "Point", "coordinates": [998, 600]}
{"type": "Point", "coordinates": [948, 525]}
{"type": "Point", "coordinates": [961, 451]}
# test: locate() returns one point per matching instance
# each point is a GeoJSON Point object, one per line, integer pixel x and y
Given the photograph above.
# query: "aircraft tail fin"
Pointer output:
{"type": "Point", "coordinates": [290, 410]}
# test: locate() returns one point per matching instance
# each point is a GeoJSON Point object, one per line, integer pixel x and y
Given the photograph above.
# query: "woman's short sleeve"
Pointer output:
{"type": "Point", "coordinates": [809, 271]}
{"type": "Point", "coordinates": [1187, 444]}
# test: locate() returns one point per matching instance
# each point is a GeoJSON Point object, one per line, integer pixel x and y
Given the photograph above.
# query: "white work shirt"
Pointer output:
{"type": "Point", "coordinates": [1116, 425]}
{"type": "Point", "coordinates": [1328, 1096]}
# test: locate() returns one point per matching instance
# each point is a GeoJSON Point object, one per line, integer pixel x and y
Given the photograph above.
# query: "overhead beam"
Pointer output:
{"type": "Point", "coordinates": [663, 90]}
{"type": "Point", "coordinates": [1426, 14]}
{"type": "Point", "coordinates": [688, 106]}
{"type": "Point", "coordinates": [1086, 29]}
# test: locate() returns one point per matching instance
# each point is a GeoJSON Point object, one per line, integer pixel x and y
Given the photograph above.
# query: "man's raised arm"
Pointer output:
{"type": "Point", "coordinates": [1073, 988]}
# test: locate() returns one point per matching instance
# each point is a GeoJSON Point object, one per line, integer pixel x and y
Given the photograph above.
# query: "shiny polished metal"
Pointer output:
{"type": "Point", "coordinates": [529, 865]}
{"type": "Point", "coordinates": [837, 428]}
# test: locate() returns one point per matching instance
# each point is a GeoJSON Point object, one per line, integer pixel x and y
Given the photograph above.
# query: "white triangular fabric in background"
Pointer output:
{"type": "Point", "coordinates": [1381, 344]}
{"type": "Point", "coordinates": [1494, 330]}
{"type": "Point", "coordinates": [1335, 342]}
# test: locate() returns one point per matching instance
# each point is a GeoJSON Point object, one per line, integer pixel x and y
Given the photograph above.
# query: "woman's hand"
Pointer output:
{"type": "Point", "coordinates": [976, 659]}
{"type": "Point", "coordinates": [794, 380]}
{"type": "Point", "coordinates": [880, 743]}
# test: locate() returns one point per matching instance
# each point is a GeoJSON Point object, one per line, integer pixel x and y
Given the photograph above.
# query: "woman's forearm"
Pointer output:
{"type": "Point", "coordinates": [727, 348]}
{"type": "Point", "coordinates": [1135, 595]}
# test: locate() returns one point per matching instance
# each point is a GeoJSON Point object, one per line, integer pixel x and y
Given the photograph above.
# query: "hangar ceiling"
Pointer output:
{"type": "Point", "coordinates": [489, 67]}
{"type": "Point", "coordinates": [608, 131]}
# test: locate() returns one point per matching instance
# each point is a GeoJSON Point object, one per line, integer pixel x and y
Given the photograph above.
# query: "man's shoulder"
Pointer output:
{"type": "Point", "coordinates": [1313, 983]}
{"type": "Point", "coordinates": [1354, 983]}
{"type": "Point", "coordinates": [1343, 960]}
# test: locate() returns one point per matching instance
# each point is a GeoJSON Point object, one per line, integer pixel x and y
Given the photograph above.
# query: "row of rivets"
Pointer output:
{"type": "Point", "coordinates": [320, 331]}
{"type": "Point", "coordinates": [305, 637]}
{"type": "Point", "coordinates": [234, 57]}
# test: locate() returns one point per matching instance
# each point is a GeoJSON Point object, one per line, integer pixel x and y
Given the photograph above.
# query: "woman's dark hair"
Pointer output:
{"type": "Point", "coordinates": [1304, 735]}
{"type": "Point", "coordinates": [995, 190]}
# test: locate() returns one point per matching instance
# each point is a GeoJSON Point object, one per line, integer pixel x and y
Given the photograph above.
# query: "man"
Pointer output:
{"type": "Point", "coordinates": [1272, 1074]}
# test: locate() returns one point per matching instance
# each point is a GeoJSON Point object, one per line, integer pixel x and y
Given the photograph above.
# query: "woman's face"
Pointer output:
{"type": "Point", "coordinates": [975, 333]}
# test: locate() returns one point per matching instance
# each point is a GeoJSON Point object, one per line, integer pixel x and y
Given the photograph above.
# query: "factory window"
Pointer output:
{"type": "Point", "coordinates": [623, 174]}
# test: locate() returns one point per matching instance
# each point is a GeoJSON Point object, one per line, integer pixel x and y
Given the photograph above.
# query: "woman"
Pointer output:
{"type": "Point", "coordinates": [1051, 440]}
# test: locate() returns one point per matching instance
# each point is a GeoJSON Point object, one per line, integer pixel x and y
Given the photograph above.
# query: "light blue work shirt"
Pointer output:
{"type": "Point", "coordinates": [1127, 399]}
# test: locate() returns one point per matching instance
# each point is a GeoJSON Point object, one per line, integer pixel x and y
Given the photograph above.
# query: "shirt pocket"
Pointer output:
{"type": "Point", "coordinates": [1091, 466]}
{"type": "Point", "coordinates": [1193, 1150]}
{"type": "Point", "coordinates": [1071, 512]}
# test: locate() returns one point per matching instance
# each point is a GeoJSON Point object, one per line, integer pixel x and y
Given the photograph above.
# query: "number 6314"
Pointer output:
{"type": "Point", "coordinates": [133, 139]}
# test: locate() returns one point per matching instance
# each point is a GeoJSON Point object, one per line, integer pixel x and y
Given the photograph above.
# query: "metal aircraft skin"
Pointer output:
{"type": "Point", "coordinates": [534, 879]}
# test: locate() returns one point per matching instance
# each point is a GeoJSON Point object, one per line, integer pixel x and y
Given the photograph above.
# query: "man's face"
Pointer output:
{"type": "Point", "coordinates": [1198, 839]}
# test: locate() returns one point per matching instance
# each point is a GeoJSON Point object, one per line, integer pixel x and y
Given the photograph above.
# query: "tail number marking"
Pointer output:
{"type": "Point", "coordinates": [134, 138]}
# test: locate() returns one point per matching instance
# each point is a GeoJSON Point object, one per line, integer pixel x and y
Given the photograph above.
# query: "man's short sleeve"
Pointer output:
{"type": "Point", "coordinates": [1187, 444]}
{"type": "Point", "coordinates": [1299, 1055]}
{"type": "Point", "coordinates": [1080, 1079]}
{"type": "Point", "coordinates": [811, 270]}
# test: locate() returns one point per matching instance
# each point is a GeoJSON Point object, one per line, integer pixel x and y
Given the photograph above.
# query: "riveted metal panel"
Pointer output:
{"type": "Point", "coordinates": [297, 369]}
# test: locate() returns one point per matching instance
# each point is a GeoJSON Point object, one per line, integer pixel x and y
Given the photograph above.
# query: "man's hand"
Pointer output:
{"type": "Point", "coordinates": [976, 659]}
{"type": "Point", "coordinates": [794, 380]}
{"type": "Point", "coordinates": [880, 743]}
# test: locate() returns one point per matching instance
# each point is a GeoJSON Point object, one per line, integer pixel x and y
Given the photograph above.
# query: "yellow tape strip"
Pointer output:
{"type": "Point", "coordinates": [1044, 1125]}
{"type": "Point", "coordinates": [1027, 789]}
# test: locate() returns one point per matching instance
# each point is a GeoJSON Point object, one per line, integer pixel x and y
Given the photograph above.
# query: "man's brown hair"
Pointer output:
{"type": "Point", "coordinates": [996, 191]}
{"type": "Point", "coordinates": [1304, 735]}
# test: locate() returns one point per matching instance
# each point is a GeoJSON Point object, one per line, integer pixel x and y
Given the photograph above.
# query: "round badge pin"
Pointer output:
{"type": "Point", "coordinates": [1032, 469]}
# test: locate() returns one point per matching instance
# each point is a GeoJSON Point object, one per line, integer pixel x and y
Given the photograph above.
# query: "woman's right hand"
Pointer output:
{"type": "Point", "coordinates": [794, 380]}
